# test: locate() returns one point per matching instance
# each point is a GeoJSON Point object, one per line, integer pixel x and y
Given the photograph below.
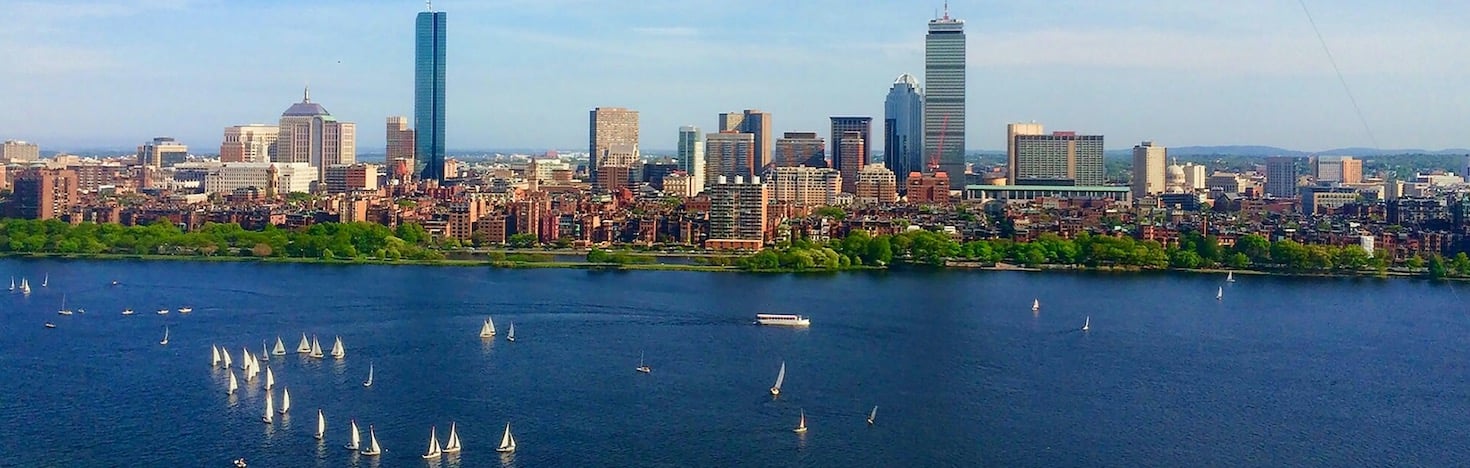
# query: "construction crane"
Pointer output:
{"type": "Point", "coordinates": [939, 149]}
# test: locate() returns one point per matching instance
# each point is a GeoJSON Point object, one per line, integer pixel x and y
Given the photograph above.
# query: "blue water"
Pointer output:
{"type": "Point", "coordinates": [1282, 372]}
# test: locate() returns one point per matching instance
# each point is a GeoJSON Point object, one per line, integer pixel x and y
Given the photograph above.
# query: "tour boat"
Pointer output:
{"type": "Point", "coordinates": [487, 329]}
{"type": "Point", "coordinates": [127, 311]}
{"type": "Point", "coordinates": [185, 310]}
{"type": "Point", "coordinates": [355, 441]}
{"type": "Point", "coordinates": [1035, 305]}
{"type": "Point", "coordinates": [507, 441]}
{"type": "Point", "coordinates": [1220, 294]}
{"type": "Point", "coordinates": [452, 445]}
{"type": "Point", "coordinates": [1230, 277]}
{"type": "Point", "coordinates": [801, 424]}
{"type": "Point", "coordinates": [1087, 323]}
{"type": "Point", "coordinates": [373, 448]}
{"type": "Point", "coordinates": [780, 377]}
{"type": "Point", "coordinates": [337, 351]}
{"type": "Point", "coordinates": [641, 366]}
{"type": "Point", "coordinates": [63, 310]}
{"type": "Point", "coordinates": [305, 346]}
{"type": "Point", "coordinates": [321, 424]}
{"type": "Point", "coordinates": [165, 336]}
{"type": "Point", "coordinates": [316, 348]}
{"type": "Point", "coordinates": [873, 415]}
{"type": "Point", "coordinates": [213, 355]}
{"type": "Point", "coordinates": [369, 381]}
{"type": "Point", "coordinates": [270, 378]}
{"type": "Point", "coordinates": [510, 334]}
{"type": "Point", "coordinates": [783, 320]}
{"type": "Point", "coordinates": [280, 349]}
{"type": "Point", "coordinates": [434, 450]}
{"type": "Point", "coordinates": [270, 412]}
{"type": "Point", "coordinates": [234, 385]}
{"type": "Point", "coordinates": [50, 325]}
{"type": "Point", "coordinates": [162, 311]}
{"type": "Point", "coordinates": [285, 400]}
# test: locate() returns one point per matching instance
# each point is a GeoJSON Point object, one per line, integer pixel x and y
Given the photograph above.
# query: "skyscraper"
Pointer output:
{"type": "Point", "coordinates": [756, 123]}
{"type": "Point", "coordinates": [309, 134]}
{"type": "Point", "coordinates": [903, 128]}
{"type": "Point", "coordinates": [1281, 176]}
{"type": "Point", "coordinates": [162, 151]}
{"type": "Point", "coordinates": [428, 93]}
{"type": "Point", "coordinates": [840, 126]}
{"type": "Point", "coordinates": [249, 143]}
{"type": "Point", "coordinates": [1012, 131]}
{"type": "Point", "coordinates": [691, 156]}
{"type": "Point", "coordinates": [400, 148]}
{"type": "Point", "coordinates": [1062, 158]}
{"type": "Point", "coordinates": [800, 149]}
{"type": "Point", "coordinates": [608, 126]}
{"type": "Point", "coordinates": [727, 154]}
{"type": "Point", "coordinates": [1148, 169]}
{"type": "Point", "coordinates": [854, 151]}
{"type": "Point", "coordinates": [944, 98]}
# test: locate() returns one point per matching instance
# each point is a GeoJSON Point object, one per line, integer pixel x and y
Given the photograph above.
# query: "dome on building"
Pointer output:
{"type": "Point", "coordinates": [305, 108]}
{"type": "Point", "coordinates": [907, 79]}
{"type": "Point", "coordinates": [1174, 179]}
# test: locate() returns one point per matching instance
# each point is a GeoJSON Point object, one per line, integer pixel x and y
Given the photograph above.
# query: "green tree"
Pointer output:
{"type": "Point", "coordinates": [522, 240]}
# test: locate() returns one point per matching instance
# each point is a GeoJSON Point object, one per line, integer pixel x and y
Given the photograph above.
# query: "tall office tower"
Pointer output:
{"type": "Point", "coordinates": [400, 148]}
{"type": "Point", "coordinates": [804, 186]}
{"type": "Point", "coordinates": [853, 147]}
{"type": "Point", "coordinates": [1062, 158]}
{"type": "Point", "coordinates": [1148, 169]}
{"type": "Point", "coordinates": [1343, 169]}
{"type": "Point", "coordinates": [737, 209]}
{"type": "Point", "coordinates": [903, 128]}
{"type": "Point", "coordinates": [727, 154]}
{"type": "Point", "coordinates": [309, 134]}
{"type": "Point", "coordinates": [800, 149]}
{"type": "Point", "coordinates": [249, 143]}
{"type": "Point", "coordinates": [19, 151]}
{"type": "Point", "coordinates": [876, 184]}
{"type": "Point", "coordinates": [1281, 176]}
{"type": "Point", "coordinates": [754, 122]}
{"type": "Point", "coordinates": [162, 151]}
{"type": "Point", "coordinates": [1012, 131]}
{"type": "Point", "coordinates": [608, 126]}
{"type": "Point", "coordinates": [840, 126]}
{"type": "Point", "coordinates": [944, 96]}
{"type": "Point", "coordinates": [691, 157]}
{"type": "Point", "coordinates": [428, 93]}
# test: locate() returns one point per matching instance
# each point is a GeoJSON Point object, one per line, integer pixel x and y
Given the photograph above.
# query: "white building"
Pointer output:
{"type": "Point", "coordinates": [282, 178]}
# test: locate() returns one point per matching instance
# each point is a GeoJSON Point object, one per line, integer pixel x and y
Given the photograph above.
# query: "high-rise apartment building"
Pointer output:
{"type": "Point", "coordinates": [691, 157]}
{"type": "Point", "coordinates": [309, 134]}
{"type": "Point", "coordinates": [876, 184]}
{"type": "Point", "coordinates": [1149, 161]}
{"type": "Point", "coordinates": [853, 147]}
{"type": "Point", "coordinates": [804, 186]}
{"type": "Point", "coordinates": [609, 126]}
{"type": "Point", "coordinates": [1281, 172]}
{"type": "Point", "coordinates": [1012, 131]}
{"type": "Point", "coordinates": [249, 143]}
{"type": "Point", "coordinates": [428, 93]}
{"type": "Point", "coordinates": [400, 151]}
{"type": "Point", "coordinates": [1343, 169]}
{"type": "Point", "coordinates": [727, 154]}
{"type": "Point", "coordinates": [162, 151]}
{"type": "Point", "coordinates": [43, 193]}
{"type": "Point", "coordinates": [737, 209]}
{"type": "Point", "coordinates": [944, 96]}
{"type": "Point", "coordinates": [903, 127]}
{"type": "Point", "coordinates": [756, 123]}
{"type": "Point", "coordinates": [840, 127]}
{"type": "Point", "coordinates": [800, 149]}
{"type": "Point", "coordinates": [1062, 158]}
{"type": "Point", "coordinates": [16, 151]}
{"type": "Point", "coordinates": [345, 178]}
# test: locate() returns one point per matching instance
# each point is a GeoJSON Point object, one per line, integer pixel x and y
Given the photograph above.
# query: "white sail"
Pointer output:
{"type": "Point", "coordinates": [285, 400]}
{"type": "Point", "coordinates": [337, 350]}
{"type": "Point", "coordinates": [873, 415]}
{"type": "Point", "coordinates": [321, 424]}
{"type": "Point", "coordinates": [213, 355]}
{"type": "Point", "coordinates": [12, 283]}
{"type": "Point", "coordinates": [280, 349]}
{"type": "Point", "coordinates": [1036, 304]}
{"type": "Point", "coordinates": [369, 381]}
{"type": "Point", "coordinates": [780, 377]}
{"type": "Point", "coordinates": [487, 329]}
{"type": "Point", "coordinates": [434, 450]}
{"type": "Point", "coordinates": [316, 348]}
{"type": "Point", "coordinates": [245, 359]}
{"type": "Point", "coordinates": [233, 384]}
{"type": "Point", "coordinates": [801, 425]}
{"type": "Point", "coordinates": [1219, 294]}
{"type": "Point", "coordinates": [45, 279]}
{"type": "Point", "coordinates": [305, 346]}
{"type": "Point", "coordinates": [165, 335]}
{"type": "Point", "coordinates": [265, 354]}
{"type": "Point", "coordinates": [1087, 323]}
{"type": "Point", "coordinates": [373, 448]}
{"type": "Point", "coordinates": [1230, 277]}
{"type": "Point", "coordinates": [452, 446]}
{"type": "Point", "coordinates": [510, 334]}
{"type": "Point", "coordinates": [356, 440]}
{"type": "Point", "coordinates": [507, 441]}
{"type": "Point", "coordinates": [224, 355]}
{"type": "Point", "coordinates": [270, 413]}
{"type": "Point", "coordinates": [270, 379]}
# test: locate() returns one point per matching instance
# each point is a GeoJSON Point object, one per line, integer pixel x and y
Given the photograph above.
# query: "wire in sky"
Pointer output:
{"type": "Point", "coordinates": [1340, 79]}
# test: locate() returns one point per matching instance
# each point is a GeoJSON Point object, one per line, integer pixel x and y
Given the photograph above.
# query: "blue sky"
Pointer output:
{"type": "Point", "coordinates": [524, 73]}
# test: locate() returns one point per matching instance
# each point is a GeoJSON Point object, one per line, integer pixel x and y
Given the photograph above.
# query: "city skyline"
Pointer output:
{"type": "Point", "coordinates": [1249, 73]}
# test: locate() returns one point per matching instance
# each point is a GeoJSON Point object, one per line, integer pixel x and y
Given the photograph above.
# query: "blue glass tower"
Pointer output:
{"type": "Point", "coordinates": [428, 94]}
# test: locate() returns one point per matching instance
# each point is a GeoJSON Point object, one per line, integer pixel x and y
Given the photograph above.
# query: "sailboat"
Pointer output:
{"type": "Point", "coordinates": [265, 354]}
{"type": "Point", "coordinates": [641, 366]}
{"type": "Point", "coordinates": [337, 351]}
{"type": "Point", "coordinates": [245, 361]}
{"type": "Point", "coordinates": [507, 441]}
{"type": "Point", "coordinates": [1035, 305]}
{"type": "Point", "coordinates": [285, 400]}
{"type": "Point", "coordinates": [50, 325]}
{"type": "Point", "coordinates": [369, 381]}
{"type": "Point", "coordinates": [373, 448]}
{"type": "Point", "coordinates": [1220, 293]}
{"type": "Point", "coordinates": [270, 379]}
{"type": "Point", "coordinates": [1230, 277]}
{"type": "Point", "coordinates": [63, 310]}
{"type": "Point", "coordinates": [355, 441]}
{"type": "Point", "coordinates": [12, 283]}
{"type": "Point", "coordinates": [434, 450]}
{"type": "Point", "coordinates": [487, 329]}
{"type": "Point", "coordinates": [452, 445]}
{"type": "Point", "coordinates": [162, 311]}
{"type": "Point", "coordinates": [1087, 323]}
{"type": "Point", "coordinates": [873, 415]}
{"type": "Point", "coordinates": [316, 348]}
{"type": "Point", "coordinates": [305, 346]}
{"type": "Point", "coordinates": [45, 279]}
{"type": "Point", "coordinates": [25, 286]}
{"type": "Point", "coordinates": [321, 424]}
{"type": "Point", "coordinates": [127, 311]}
{"type": "Point", "coordinates": [213, 355]}
{"type": "Point", "coordinates": [510, 335]}
{"type": "Point", "coordinates": [780, 377]}
{"type": "Point", "coordinates": [185, 310]}
{"type": "Point", "coordinates": [165, 336]}
{"type": "Point", "coordinates": [234, 385]}
{"type": "Point", "coordinates": [801, 424]}
{"type": "Point", "coordinates": [270, 412]}
{"type": "Point", "coordinates": [224, 355]}
{"type": "Point", "coordinates": [280, 349]}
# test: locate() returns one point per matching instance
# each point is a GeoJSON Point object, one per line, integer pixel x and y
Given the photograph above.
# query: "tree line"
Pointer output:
{"type": "Point", "coordinates": [343, 241]}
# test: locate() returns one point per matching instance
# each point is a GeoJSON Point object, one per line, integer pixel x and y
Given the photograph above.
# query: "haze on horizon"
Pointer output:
{"type": "Point", "coordinates": [524, 73]}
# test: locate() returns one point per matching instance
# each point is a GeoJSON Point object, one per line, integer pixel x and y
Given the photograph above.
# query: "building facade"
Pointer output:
{"type": "Point", "coordinates": [608, 126]}
{"type": "Point", "coordinates": [430, 36]}
{"type": "Point", "coordinates": [728, 154]}
{"type": "Point", "coordinates": [1014, 130]}
{"type": "Point", "coordinates": [1338, 169]}
{"type": "Point", "coordinates": [944, 96]}
{"type": "Point", "coordinates": [876, 184]}
{"type": "Point", "coordinates": [1281, 172]}
{"type": "Point", "coordinates": [16, 151]}
{"type": "Point", "coordinates": [800, 149]}
{"type": "Point", "coordinates": [1062, 158]}
{"type": "Point", "coordinates": [840, 126]}
{"type": "Point", "coordinates": [344, 178]}
{"type": "Point", "coordinates": [43, 193]}
{"type": "Point", "coordinates": [803, 186]}
{"type": "Point", "coordinates": [691, 157]}
{"type": "Point", "coordinates": [1148, 169]}
{"type": "Point", "coordinates": [249, 143]}
{"type": "Point", "coordinates": [737, 209]}
{"type": "Point", "coordinates": [400, 149]}
{"type": "Point", "coordinates": [162, 151]}
{"type": "Point", "coordinates": [309, 134]}
{"type": "Point", "coordinates": [853, 147]}
{"type": "Point", "coordinates": [758, 124]}
{"type": "Point", "coordinates": [903, 127]}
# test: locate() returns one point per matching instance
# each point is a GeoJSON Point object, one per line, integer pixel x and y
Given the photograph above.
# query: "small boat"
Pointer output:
{"type": "Point", "coordinates": [452, 445]}
{"type": "Point", "coordinates": [801, 424]}
{"type": "Point", "coordinates": [321, 424]}
{"type": "Point", "coordinates": [213, 355]}
{"type": "Point", "coordinates": [63, 310]}
{"type": "Point", "coordinates": [45, 279]}
{"type": "Point", "coordinates": [265, 354]}
{"type": "Point", "coordinates": [337, 351]}
{"type": "Point", "coordinates": [115, 283]}
{"type": "Point", "coordinates": [1230, 277]}
{"type": "Point", "coordinates": [783, 320]}
{"type": "Point", "coordinates": [162, 311]}
{"type": "Point", "coordinates": [316, 348]}
{"type": "Point", "coordinates": [165, 336]}
{"type": "Point", "coordinates": [127, 311]}
{"type": "Point", "coordinates": [1087, 323]}
{"type": "Point", "coordinates": [245, 362]}
{"type": "Point", "coordinates": [487, 329]}
{"type": "Point", "coordinates": [185, 310]}
{"type": "Point", "coordinates": [240, 463]}
{"type": "Point", "coordinates": [510, 335]}
{"type": "Point", "coordinates": [270, 378]}
{"type": "Point", "coordinates": [355, 441]}
{"type": "Point", "coordinates": [224, 357]}
{"type": "Point", "coordinates": [270, 412]}
{"type": "Point", "coordinates": [1035, 305]}
{"type": "Point", "coordinates": [304, 347]}
{"type": "Point", "coordinates": [873, 415]}
{"type": "Point", "coordinates": [507, 441]}
{"type": "Point", "coordinates": [641, 366]}
{"type": "Point", "coordinates": [434, 450]}
{"type": "Point", "coordinates": [369, 381]}
{"type": "Point", "coordinates": [234, 384]}
{"type": "Point", "coordinates": [1220, 294]}
{"type": "Point", "coordinates": [12, 283]}
{"type": "Point", "coordinates": [50, 325]}
{"type": "Point", "coordinates": [280, 349]}
{"type": "Point", "coordinates": [780, 377]}
{"type": "Point", "coordinates": [373, 448]}
{"type": "Point", "coordinates": [25, 286]}
{"type": "Point", "coordinates": [285, 400]}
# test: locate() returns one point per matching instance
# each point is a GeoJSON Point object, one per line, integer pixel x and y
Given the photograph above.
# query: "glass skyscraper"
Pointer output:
{"type": "Point", "coordinates": [903, 128]}
{"type": "Point", "coordinates": [944, 96]}
{"type": "Point", "coordinates": [428, 94]}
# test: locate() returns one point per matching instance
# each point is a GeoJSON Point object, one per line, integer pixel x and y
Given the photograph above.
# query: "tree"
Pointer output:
{"type": "Point", "coordinates": [522, 240]}
{"type": "Point", "coordinates": [597, 256]}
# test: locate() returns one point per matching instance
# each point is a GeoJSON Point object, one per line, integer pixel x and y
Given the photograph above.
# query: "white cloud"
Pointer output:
{"type": "Point", "coordinates": [676, 31]}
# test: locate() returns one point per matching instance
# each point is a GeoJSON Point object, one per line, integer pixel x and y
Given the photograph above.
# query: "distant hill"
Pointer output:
{"type": "Point", "coordinates": [1256, 150]}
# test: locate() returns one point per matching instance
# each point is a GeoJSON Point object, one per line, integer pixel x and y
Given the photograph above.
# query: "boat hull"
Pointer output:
{"type": "Point", "coordinates": [783, 320]}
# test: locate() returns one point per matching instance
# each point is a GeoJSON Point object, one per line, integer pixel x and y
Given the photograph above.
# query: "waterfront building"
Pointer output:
{"type": "Point", "coordinates": [876, 184]}
{"type": "Point", "coordinates": [1014, 130]}
{"type": "Point", "coordinates": [401, 147]}
{"type": "Point", "coordinates": [249, 143]}
{"type": "Point", "coordinates": [853, 148]}
{"type": "Point", "coordinates": [804, 186]}
{"type": "Point", "coordinates": [1148, 170]}
{"type": "Point", "coordinates": [800, 149]}
{"type": "Point", "coordinates": [944, 96]}
{"type": "Point", "coordinates": [608, 126]}
{"type": "Point", "coordinates": [309, 134]}
{"type": "Point", "coordinates": [162, 151]}
{"type": "Point", "coordinates": [728, 154]}
{"type": "Point", "coordinates": [903, 127]}
{"type": "Point", "coordinates": [430, 36]}
{"type": "Point", "coordinates": [840, 157]}
{"type": "Point", "coordinates": [758, 124]}
{"type": "Point", "coordinates": [1061, 158]}
{"type": "Point", "coordinates": [43, 193]}
{"type": "Point", "coordinates": [17, 151]}
{"type": "Point", "coordinates": [1281, 173]}
{"type": "Point", "coordinates": [738, 211]}
{"type": "Point", "coordinates": [691, 157]}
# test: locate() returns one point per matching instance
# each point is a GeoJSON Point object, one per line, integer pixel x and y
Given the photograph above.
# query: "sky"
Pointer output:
{"type": "Point", "coordinates": [524, 73]}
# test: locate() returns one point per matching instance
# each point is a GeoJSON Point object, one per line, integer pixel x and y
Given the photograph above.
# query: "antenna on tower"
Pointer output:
{"type": "Point", "coordinates": [946, 9]}
{"type": "Point", "coordinates": [429, 4]}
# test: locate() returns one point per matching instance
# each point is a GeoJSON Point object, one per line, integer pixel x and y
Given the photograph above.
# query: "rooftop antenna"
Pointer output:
{"type": "Point", "coordinates": [306, 93]}
{"type": "Point", "coordinates": [429, 4]}
{"type": "Point", "coordinates": [946, 9]}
